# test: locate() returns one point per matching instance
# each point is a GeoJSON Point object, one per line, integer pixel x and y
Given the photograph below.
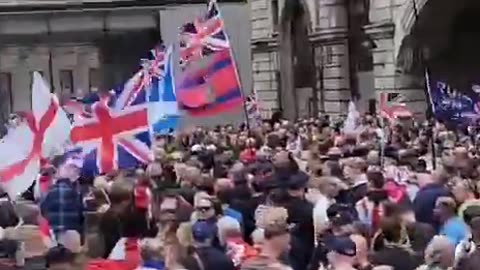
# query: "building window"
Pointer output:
{"type": "Point", "coordinates": [94, 80]}
{"type": "Point", "coordinates": [275, 15]}
{"type": "Point", "coordinates": [6, 93]}
{"type": "Point", "coordinates": [66, 82]}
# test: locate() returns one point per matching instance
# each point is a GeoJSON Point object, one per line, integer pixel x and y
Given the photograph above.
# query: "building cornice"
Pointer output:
{"type": "Point", "coordinates": [32, 6]}
{"type": "Point", "coordinates": [264, 44]}
{"type": "Point", "coordinates": [329, 35]}
{"type": "Point", "coordinates": [381, 30]}
{"type": "Point", "coordinates": [323, 36]}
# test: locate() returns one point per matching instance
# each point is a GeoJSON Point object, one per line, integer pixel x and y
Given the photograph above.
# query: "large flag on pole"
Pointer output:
{"type": "Point", "coordinates": [115, 132]}
{"type": "Point", "coordinates": [41, 133]}
{"type": "Point", "coordinates": [209, 84]}
{"type": "Point", "coordinates": [111, 139]}
{"type": "Point", "coordinates": [163, 113]}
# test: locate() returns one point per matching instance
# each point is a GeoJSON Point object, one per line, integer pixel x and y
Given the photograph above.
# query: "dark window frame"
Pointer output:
{"type": "Point", "coordinates": [91, 73]}
{"type": "Point", "coordinates": [69, 74]}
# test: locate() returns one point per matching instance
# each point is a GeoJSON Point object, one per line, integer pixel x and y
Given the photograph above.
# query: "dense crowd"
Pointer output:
{"type": "Point", "coordinates": [303, 195]}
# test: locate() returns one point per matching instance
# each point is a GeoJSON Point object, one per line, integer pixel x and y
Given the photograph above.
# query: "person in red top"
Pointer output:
{"type": "Point", "coordinates": [249, 155]}
{"type": "Point", "coordinates": [142, 192]}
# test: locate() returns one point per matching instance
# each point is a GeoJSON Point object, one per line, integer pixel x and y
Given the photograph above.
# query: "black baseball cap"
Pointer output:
{"type": "Point", "coordinates": [340, 214]}
{"type": "Point", "coordinates": [342, 245]}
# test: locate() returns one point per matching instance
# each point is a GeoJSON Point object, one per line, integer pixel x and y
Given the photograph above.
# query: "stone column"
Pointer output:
{"type": "Point", "coordinates": [330, 30]}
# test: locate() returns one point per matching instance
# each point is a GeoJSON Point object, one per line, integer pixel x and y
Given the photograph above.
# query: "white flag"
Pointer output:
{"type": "Point", "coordinates": [41, 133]}
{"type": "Point", "coordinates": [350, 125]}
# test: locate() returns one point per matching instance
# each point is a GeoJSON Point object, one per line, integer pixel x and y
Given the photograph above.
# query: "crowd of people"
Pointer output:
{"type": "Point", "coordinates": [302, 195]}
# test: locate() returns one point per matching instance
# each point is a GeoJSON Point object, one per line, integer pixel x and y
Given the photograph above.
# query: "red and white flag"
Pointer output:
{"type": "Point", "coordinates": [40, 134]}
{"type": "Point", "coordinates": [393, 109]}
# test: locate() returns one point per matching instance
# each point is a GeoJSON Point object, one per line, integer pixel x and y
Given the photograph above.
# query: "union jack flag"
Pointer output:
{"type": "Point", "coordinates": [202, 37]}
{"type": "Point", "coordinates": [114, 132]}
{"type": "Point", "coordinates": [394, 108]}
{"type": "Point", "coordinates": [135, 90]}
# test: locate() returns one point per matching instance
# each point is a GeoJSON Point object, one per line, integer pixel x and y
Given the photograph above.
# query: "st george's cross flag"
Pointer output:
{"type": "Point", "coordinates": [40, 134]}
{"type": "Point", "coordinates": [209, 83]}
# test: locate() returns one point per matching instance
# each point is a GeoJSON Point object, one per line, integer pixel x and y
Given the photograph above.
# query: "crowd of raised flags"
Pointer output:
{"type": "Point", "coordinates": [114, 129]}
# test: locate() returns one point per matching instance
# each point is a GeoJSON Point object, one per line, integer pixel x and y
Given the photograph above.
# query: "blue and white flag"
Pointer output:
{"type": "Point", "coordinates": [454, 106]}
{"type": "Point", "coordinates": [163, 112]}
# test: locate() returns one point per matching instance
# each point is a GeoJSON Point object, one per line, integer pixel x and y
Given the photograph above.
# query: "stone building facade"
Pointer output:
{"type": "Point", "coordinates": [384, 33]}
{"type": "Point", "coordinates": [330, 45]}
{"type": "Point", "coordinates": [364, 47]}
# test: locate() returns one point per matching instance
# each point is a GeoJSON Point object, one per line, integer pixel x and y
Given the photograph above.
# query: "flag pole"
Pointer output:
{"type": "Point", "coordinates": [244, 103]}
{"type": "Point", "coordinates": [428, 94]}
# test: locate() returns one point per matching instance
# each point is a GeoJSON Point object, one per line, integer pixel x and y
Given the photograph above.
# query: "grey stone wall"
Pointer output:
{"type": "Point", "coordinates": [391, 21]}
{"type": "Point", "coordinates": [328, 35]}
{"type": "Point", "coordinates": [27, 41]}
{"type": "Point", "coordinates": [21, 61]}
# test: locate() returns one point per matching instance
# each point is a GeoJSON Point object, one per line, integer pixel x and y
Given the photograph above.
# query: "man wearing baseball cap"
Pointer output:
{"type": "Point", "coordinates": [205, 256]}
{"type": "Point", "coordinates": [342, 252]}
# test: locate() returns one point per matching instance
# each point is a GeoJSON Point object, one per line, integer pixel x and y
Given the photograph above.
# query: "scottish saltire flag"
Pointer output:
{"type": "Point", "coordinates": [163, 113]}
{"type": "Point", "coordinates": [209, 84]}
